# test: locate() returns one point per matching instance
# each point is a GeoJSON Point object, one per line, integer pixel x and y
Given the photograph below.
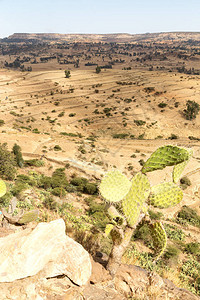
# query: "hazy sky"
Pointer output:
{"type": "Point", "coordinates": [98, 16]}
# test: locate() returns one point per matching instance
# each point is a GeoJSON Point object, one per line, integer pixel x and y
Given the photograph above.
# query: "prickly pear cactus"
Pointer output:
{"type": "Point", "coordinates": [159, 238]}
{"type": "Point", "coordinates": [165, 195]}
{"type": "Point", "coordinates": [28, 216]}
{"type": "Point", "coordinates": [108, 229]}
{"type": "Point", "coordinates": [165, 156]}
{"type": "Point", "coordinates": [178, 169]}
{"type": "Point", "coordinates": [2, 188]}
{"type": "Point", "coordinates": [133, 202]}
{"type": "Point", "coordinates": [114, 186]}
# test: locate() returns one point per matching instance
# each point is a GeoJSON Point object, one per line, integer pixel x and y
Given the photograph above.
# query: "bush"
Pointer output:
{"type": "Point", "coordinates": [173, 137]}
{"type": "Point", "coordinates": [84, 186]}
{"type": "Point", "coordinates": [2, 122]}
{"type": "Point", "coordinates": [67, 74]}
{"type": "Point", "coordinates": [57, 148]}
{"type": "Point", "coordinates": [192, 110]}
{"type": "Point", "coordinates": [25, 179]}
{"type": "Point", "coordinates": [98, 69]}
{"type": "Point", "coordinates": [189, 215]}
{"type": "Point", "coordinates": [193, 248]}
{"type": "Point", "coordinates": [185, 180]}
{"type": "Point", "coordinates": [18, 155]}
{"type": "Point", "coordinates": [162, 105]}
{"type": "Point", "coordinates": [49, 203]}
{"type": "Point", "coordinates": [143, 232]}
{"type": "Point", "coordinates": [171, 252]}
{"type": "Point", "coordinates": [7, 163]}
{"type": "Point", "coordinates": [34, 163]}
{"type": "Point", "coordinates": [155, 215]}
{"type": "Point", "coordinates": [59, 191]}
{"type": "Point", "coordinates": [59, 179]}
{"type": "Point", "coordinates": [139, 122]}
{"type": "Point", "coordinates": [18, 188]}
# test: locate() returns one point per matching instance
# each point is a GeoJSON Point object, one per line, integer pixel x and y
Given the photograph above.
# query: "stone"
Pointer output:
{"type": "Point", "coordinates": [45, 249]}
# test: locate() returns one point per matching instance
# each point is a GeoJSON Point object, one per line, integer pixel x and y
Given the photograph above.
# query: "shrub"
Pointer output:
{"type": "Point", "coordinates": [59, 178]}
{"type": "Point", "coordinates": [139, 122]}
{"type": "Point", "coordinates": [162, 105]}
{"type": "Point", "coordinates": [2, 122]}
{"type": "Point", "coordinates": [173, 137]}
{"type": "Point", "coordinates": [57, 148]}
{"type": "Point", "coordinates": [67, 74]}
{"type": "Point", "coordinates": [98, 69]}
{"type": "Point", "coordinates": [185, 180]}
{"type": "Point", "coordinates": [120, 135]}
{"type": "Point", "coordinates": [155, 215]}
{"type": "Point", "coordinates": [72, 115]}
{"type": "Point", "coordinates": [59, 191]}
{"type": "Point", "coordinates": [84, 186]}
{"type": "Point", "coordinates": [192, 110]}
{"type": "Point", "coordinates": [49, 203]}
{"type": "Point", "coordinates": [18, 155]}
{"type": "Point", "coordinates": [189, 215]}
{"type": "Point", "coordinates": [171, 252]}
{"type": "Point", "coordinates": [193, 248]}
{"type": "Point", "coordinates": [7, 163]}
{"type": "Point", "coordinates": [34, 163]}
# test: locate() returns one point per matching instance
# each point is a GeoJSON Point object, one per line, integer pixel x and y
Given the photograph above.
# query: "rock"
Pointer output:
{"type": "Point", "coordinates": [133, 281]}
{"type": "Point", "coordinates": [45, 249]}
{"type": "Point", "coordinates": [99, 273]}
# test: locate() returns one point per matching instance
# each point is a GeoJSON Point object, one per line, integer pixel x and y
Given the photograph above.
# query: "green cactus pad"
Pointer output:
{"type": "Point", "coordinates": [2, 188]}
{"type": "Point", "coordinates": [165, 156]}
{"type": "Point", "coordinates": [108, 229]}
{"type": "Point", "coordinates": [28, 216]}
{"type": "Point", "coordinates": [114, 186]}
{"type": "Point", "coordinates": [133, 203]}
{"type": "Point", "coordinates": [178, 169]}
{"type": "Point", "coordinates": [165, 195]}
{"type": "Point", "coordinates": [159, 238]}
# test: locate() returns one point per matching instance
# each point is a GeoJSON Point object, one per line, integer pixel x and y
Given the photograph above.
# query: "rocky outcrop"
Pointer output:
{"type": "Point", "coordinates": [44, 249]}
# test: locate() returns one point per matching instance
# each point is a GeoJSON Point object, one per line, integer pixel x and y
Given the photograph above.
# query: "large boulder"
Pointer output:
{"type": "Point", "coordinates": [45, 248]}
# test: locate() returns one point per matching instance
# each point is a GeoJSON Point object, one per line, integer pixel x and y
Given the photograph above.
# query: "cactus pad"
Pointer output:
{"type": "Point", "coordinates": [178, 169]}
{"type": "Point", "coordinates": [165, 156]}
{"type": "Point", "coordinates": [133, 203]}
{"type": "Point", "coordinates": [2, 188]}
{"type": "Point", "coordinates": [108, 229]}
{"type": "Point", "coordinates": [28, 216]}
{"type": "Point", "coordinates": [165, 195]}
{"type": "Point", "coordinates": [114, 186]}
{"type": "Point", "coordinates": [159, 238]}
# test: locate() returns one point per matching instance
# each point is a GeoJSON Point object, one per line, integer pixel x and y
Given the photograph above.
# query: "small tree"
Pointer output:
{"type": "Point", "coordinates": [18, 155]}
{"type": "Point", "coordinates": [192, 110]}
{"type": "Point", "coordinates": [67, 74]}
{"type": "Point", "coordinates": [98, 69]}
{"type": "Point", "coordinates": [7, 163]}
{"type": "Point", "coordinates": [133, 198]}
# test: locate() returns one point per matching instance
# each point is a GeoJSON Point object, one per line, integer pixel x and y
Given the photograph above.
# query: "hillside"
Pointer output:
{"type": "Point", "coordinates": [91, 123]}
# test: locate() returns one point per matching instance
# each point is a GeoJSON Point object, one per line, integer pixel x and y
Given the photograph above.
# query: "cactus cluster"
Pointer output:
{"type": "Point", "coordinates": [137, 194]}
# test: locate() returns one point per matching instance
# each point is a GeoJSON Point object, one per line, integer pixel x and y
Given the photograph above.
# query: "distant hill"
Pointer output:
{"type": "Point", "coordinates": [118, 37]}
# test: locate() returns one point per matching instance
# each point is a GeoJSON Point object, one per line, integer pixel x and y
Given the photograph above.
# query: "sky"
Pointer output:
{"type": "Point", "coordinates": [98, 16]}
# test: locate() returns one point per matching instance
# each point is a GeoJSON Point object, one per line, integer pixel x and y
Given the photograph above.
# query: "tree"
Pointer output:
{"type": "Point", "coordinates": [133, 198]}
{"type": "Point", "coordinates": [7, 163]}
{"type": "Point", "coordinates": [18, 155]}
{"type": "Point", "coordinates": [192, 110]}
{"type": "Point", "coordinates": [98, 69]}
{"type": "Point", "coordinates": [67, 74]}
